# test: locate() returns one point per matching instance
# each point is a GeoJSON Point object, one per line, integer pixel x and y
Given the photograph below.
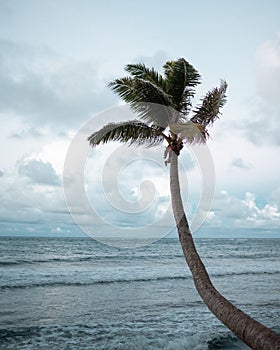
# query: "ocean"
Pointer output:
{"type": "Point", "coordinates": [80, 294]}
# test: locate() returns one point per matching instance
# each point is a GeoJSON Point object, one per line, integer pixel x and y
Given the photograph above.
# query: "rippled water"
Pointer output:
{"type": "Point", "coordinates": [81, 294]}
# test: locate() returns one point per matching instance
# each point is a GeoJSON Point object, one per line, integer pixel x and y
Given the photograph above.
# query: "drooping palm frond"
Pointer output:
{"type": "Point", "coordinates": [189, 132]}
{"type": "Point", "coordinates": [209, 110]}
{"type": "Point", "coordinates": [131, 132]}
{"type": "Point", "coordinates": [181, 79]}
{"type": "Point", "coordinates": [137, 92]}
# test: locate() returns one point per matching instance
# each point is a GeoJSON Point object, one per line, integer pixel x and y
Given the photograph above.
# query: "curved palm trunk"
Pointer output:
{"type": "Point", "coordinates": [253, 333]}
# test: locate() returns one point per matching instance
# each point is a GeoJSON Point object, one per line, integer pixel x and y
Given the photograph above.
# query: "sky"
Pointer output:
{"type": "Point", "coordinates": [56, 59]}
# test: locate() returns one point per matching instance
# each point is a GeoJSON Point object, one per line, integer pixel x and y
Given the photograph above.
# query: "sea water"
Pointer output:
{"type": "Point", "coordinates": [79, 294]}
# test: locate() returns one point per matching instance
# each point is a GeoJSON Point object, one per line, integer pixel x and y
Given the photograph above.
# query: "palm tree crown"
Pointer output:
{"type": "Point", "coordinates": [164, 105]}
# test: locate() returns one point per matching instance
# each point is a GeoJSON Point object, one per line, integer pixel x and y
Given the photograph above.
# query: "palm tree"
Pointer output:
{"type": "Point", "coordinates": [163, 104]}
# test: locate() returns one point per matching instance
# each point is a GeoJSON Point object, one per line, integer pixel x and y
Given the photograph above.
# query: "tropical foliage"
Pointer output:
{"type": "Point", "coordinates": [163, 103]}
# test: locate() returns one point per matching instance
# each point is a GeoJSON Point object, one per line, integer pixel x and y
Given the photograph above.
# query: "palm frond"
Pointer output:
{"type": "Point", "coordinates": [181, 78]}
{"type": "Point", "coordinates": [209, 110]}
{"type": "Point", "coordinates": [125, 88]}
{"type": "Point", "coordinates": [140, 90]}
{"type": "Point", "coordinates": [139, 70]}
{"type": "Point", "coordinates": [137, 92]}
{"type": "Point", "coordinates": [131, 132]}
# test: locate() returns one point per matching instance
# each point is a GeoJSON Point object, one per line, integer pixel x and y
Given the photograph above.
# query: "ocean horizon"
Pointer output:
{"type": "Point", "coordinates": [202, 232]}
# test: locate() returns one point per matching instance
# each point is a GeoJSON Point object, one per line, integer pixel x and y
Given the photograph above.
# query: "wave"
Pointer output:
{"type": "Point", "coordinates": [251, 256]}
{"type": "Point", "coordinates": [93, 258]}
{"type": "Point", "coordinates": [39, 261]}
{"type": "Point", "coordinates": [96, 336]}
{"type": "Point", "coordinates": [11, 263]}
{"type": "Point", "coordinates": [226, 341]}
{"type": "Point", "coordinates": [57, 259]}
{"type": "Point", "coordinates": [8, 334]}
{"type": "Point", "coordinates": [123, 280]}
{"type": "Point", "coordinates": [244, 273]}
{"type": "Point", "coordinates": [20, 336]}
{"type": "Point", "coordinates": [91, 283]}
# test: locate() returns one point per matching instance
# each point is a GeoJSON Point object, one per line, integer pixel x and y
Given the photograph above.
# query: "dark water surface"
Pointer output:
{"type": "Point", "coordinates": [78, 294]}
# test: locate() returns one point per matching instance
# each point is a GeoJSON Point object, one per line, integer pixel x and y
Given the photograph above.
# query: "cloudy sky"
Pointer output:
{"type": "Point", "coordinates": [56, 58]}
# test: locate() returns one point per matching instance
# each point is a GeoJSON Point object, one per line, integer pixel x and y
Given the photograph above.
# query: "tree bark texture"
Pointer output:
{"type": "Point", "coordinates": [251, 332]}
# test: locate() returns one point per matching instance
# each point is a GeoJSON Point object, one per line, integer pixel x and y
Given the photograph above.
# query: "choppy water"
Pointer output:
{"type": "Point", "coordinates": [78, 294]}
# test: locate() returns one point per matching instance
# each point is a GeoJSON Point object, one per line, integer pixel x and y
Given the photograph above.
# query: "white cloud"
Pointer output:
{"type": "Point", "coordinates": [231, 211]}
{"type": "Point", "coordinates": [54, 152]}
{"type": "Point", "coordinates": [262, 123]}
{"type": "Point", "coordinates": [128, 186]}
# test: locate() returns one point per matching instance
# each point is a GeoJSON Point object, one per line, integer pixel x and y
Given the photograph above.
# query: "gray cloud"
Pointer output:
{"type": "Point", "coordinates": [39, 172]}
{"type": "Point", "coordinates": [22, 201]}
{"type": "Point", "coordinates": [43, 89]}
{"type": "Point", "coordinates": [5, 10]}
{"type": "Point", "coordinates": [263, 128]}
{"type": "Point", "coordinates": [26, 133]}
{"type": "Point", "coordinates": [240, 163]}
